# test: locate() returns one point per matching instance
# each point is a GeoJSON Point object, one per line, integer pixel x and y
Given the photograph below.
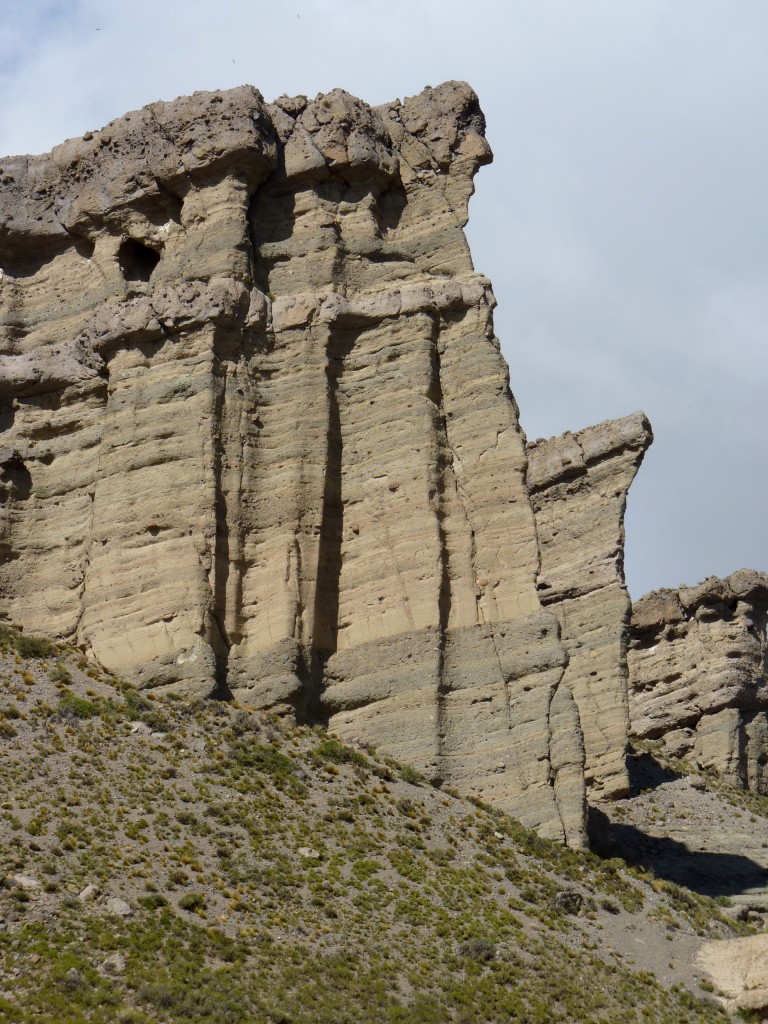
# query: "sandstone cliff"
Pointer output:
{"type": "Point", "coordinates": [578, 485]}
{"type": "Point", "coordinates": [698, 672]}
{"type": "Point", "coordinates": [258, 439]}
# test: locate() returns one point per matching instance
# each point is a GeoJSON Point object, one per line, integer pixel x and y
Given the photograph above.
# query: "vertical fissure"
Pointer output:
{"type": "Point", "coordinates": [219, 639]}
{"type": "Point", "coordinates": [554, 770]}
{"type": "Point", "coordinates": [325, 617]}
{"type": "Point", "coordinates": [85, 561]}
{"type": "Point", "coordinates": [450, 463]}
{"type": "Point", "coordinates": [445, 595]}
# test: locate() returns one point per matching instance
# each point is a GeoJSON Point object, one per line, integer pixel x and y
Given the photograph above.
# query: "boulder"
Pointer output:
{"type": "Point", "coordinates": [739, 970]}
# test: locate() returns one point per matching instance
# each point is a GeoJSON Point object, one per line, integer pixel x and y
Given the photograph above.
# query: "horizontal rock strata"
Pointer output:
{"type": "Point", "coordinates": [698, 675]}
{"type": "Point", "coordinates": [257, 438]}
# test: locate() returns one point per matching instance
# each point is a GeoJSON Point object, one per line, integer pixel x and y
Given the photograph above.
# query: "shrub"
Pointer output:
{"type": "Point", "coordinates": [6, 730]}
{"type": "Point", "coordinates": [192, 902]}
{"type": "Point", "coordinates": [26, 646]}
{"type": "Point", "coordinates": [409, 774]}
{"type": "Point", "coordinates": [332, 750]}
{"type": "Point", "coordinates": [71, 706]}
{"type": "Point", "coordinates": [60, 673]}
{"type": "Point", "coordinates": [264, 759]}
{"type": "Point", "coordinates": [480, 950]}
{"type": "Point", "coordinates": [139, 708]}
{"type": "Point", "coordinates": [153, 901]}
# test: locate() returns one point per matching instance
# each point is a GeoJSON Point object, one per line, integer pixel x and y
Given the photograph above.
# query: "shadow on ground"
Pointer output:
{"type": "Point", "coordinates": [645, 773]}
{"type": "Point", "coordinates": [708, 873]}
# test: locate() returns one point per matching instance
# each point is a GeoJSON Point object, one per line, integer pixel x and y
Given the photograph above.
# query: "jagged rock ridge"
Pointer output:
{"type": "Point", "coordinates": [258, 438]}
{"type": "Point", "coordinates": [698, 670]}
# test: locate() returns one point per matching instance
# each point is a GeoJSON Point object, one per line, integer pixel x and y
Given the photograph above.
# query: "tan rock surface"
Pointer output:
{"type": "Point", "coordinates": [698, 671]}
{"type": "Point", "coordinates": [578, 485]}
{"type": "Point", "coordinates": [739, 969]}
{"type": "Point", "coordinates": [257, 437]}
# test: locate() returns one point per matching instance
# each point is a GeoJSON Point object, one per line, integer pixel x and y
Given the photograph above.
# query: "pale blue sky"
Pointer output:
{"type": "Point", "coordinates": [624, 222]}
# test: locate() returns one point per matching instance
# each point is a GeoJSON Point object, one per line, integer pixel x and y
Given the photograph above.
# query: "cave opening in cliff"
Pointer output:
{"type": "Point", "coordinates": [137, 260]}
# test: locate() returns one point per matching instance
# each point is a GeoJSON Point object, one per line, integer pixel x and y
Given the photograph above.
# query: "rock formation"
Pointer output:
{"type": "Point", "coordinates": [739, 970]}
{"type": "Point", "coordinates": [257, 438]}
{"type": "Point", "coordinates": [698, 675]}
{"type": "Point", "coordinates": [578, 485]}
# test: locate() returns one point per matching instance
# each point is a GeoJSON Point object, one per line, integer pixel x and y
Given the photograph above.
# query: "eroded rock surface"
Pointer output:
{"type": "Point", "coordinates": [257, 437]}
{"type": "Point", "coordinates": [578, 485]}
{"type": "Point", "coordinates": [739, 970]}
{"type": "Point", "coordinates": [698, 670]}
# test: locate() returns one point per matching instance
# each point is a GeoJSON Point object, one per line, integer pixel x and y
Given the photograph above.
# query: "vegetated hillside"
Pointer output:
{"type": "Point", "coordinates": [169, 860]}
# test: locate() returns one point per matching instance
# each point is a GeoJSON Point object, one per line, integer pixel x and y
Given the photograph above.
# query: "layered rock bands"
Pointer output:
{"type": "Point", "coordinates": [698, 667]}
{"type": "Point", "coordinates": [257, 438]}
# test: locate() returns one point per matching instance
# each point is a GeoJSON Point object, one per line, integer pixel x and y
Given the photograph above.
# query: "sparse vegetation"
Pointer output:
{"type": "Point", "coordinates": [274, 873]}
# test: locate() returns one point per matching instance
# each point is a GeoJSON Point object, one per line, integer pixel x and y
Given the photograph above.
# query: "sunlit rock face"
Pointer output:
{"type": "Point", "coordinates": [578, 485]}
{"type": "Point", "coordinates": [698, 669]}
{"type": "Point", "coordinates": [257, 439]}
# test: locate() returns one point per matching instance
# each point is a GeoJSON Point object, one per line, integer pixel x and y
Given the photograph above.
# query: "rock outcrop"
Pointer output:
{"type": "Point", "coordinates": [698, 675]}
{"type": "Point", "coordinates": [739, 970]}
{"type": "Point", "coordinates": [257, 438]}
{"type": "Point", "coordinates": [578, 485]}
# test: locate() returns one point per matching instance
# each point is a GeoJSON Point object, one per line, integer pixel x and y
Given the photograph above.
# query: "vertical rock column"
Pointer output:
{"type": "Point", "coordinates": [578, 485]}
{"type": "Point", "coordinates": [502, 670]}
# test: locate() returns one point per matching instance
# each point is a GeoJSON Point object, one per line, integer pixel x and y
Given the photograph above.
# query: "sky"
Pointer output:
{"type": "Point", "coordinates": [624, 221]}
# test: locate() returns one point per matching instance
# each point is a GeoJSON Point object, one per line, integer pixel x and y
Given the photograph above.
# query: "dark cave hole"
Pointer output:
{"type": "Point", "coordinates": [390, 207]}
{"type": "Point", "coordinates": [14, 473]}
{"type": "Point", "coordinates": [137, 260]}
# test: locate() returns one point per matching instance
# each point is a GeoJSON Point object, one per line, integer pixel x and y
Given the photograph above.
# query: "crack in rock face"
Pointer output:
{"type": "Point", "coordinates": [257, 440]}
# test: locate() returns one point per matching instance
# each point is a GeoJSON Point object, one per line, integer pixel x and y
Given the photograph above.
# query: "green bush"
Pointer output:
{"type": "Point", "coordinates": [409, 774]}
{"type": "Point", "coordinates": [153, 901]}
{"type": "Point", "coordinates": [263, 759]}
{"type": "Point", "coordinates": [192, 902]}
{"type": "Point", "coordinates": [26, 646]}
{"type": "Point", "coordinates": [332, 750]}
{"type": "Point", "coordinates": [481, 950]}
{"type": "Point", "coordinates": [71, 706]}
{"type": "Point", "coordinates": [6, 729]}
{"type": "Point", "coordinates": [60, 673]}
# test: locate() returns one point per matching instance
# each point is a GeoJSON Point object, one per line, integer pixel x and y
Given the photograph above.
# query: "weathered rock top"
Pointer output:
{"type": "Point", "coordinates": [148, 159]}
{"type": "Point", "coordinates": [698, 674]}
{"type": "Point", "coordinates": [567, 457]}
{"type": "Point", "coordinates": [669, 605]}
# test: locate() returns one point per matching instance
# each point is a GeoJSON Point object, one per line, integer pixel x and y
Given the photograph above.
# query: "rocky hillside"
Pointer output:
{"type": "Point", "coordinates": [169, 859]}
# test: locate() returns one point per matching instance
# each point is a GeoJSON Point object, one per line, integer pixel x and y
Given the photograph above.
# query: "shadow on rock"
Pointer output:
{"type": "Point", "coordinates": [710, 874]}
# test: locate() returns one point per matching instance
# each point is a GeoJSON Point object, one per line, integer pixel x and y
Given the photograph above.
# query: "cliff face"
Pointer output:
{"type": "Point", "coordinates": [257, 438]}
{"type": "Point", "coordinates": [698, 671]}
{"type": "Point", "coordinates": [578, 485]}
